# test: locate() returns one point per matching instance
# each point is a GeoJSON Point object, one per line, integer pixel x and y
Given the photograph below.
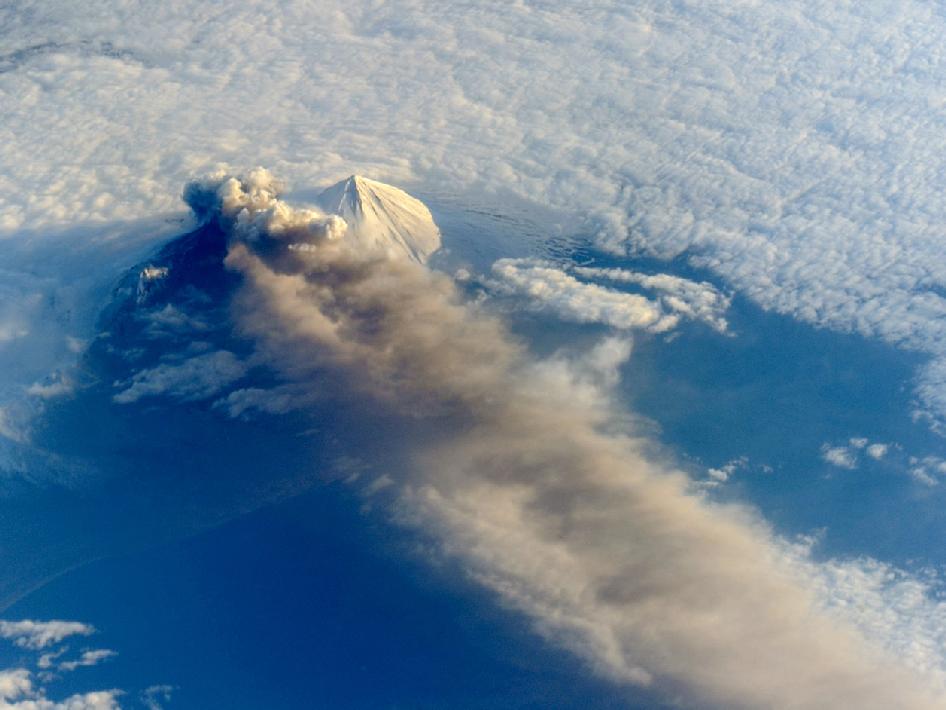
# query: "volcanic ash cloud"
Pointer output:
{"type": "Point", "coordinates": [529, 478]}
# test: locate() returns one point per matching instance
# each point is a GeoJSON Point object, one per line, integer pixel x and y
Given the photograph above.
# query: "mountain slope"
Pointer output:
{"type": "Point", "coordinates": [382, 217]}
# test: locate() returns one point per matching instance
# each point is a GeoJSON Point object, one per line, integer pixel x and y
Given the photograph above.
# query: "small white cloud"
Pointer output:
{"type": "Point", "coordinates": [277, 400]}
{"type": "Point", "coordinates": [193, 379]}
{"type": "Point", "coordinates": [552, 289]}
{"type": "Point", "coordinates": [877, 451]}
{"type": "Point", "coordinates": [47, 659]}
{"type": "Point", "coordinates": [840, 456]}
{"type": "Point", "coordinates": [858, 442]}
{"type": "Point", "coordinates": [927, 470]}
{"type": "Point", "coordinates": [88, 658]}
{"type": "Point", "coordinates": [723, 473]}
{"type": "Point", "coordinates": [696, 300]}
{"type": "Point", "coordinates": [154, 697]}
{"type": "Point", "coordinates": [56, 385]}
{"type": "Point", "coordinates": [37, 635]}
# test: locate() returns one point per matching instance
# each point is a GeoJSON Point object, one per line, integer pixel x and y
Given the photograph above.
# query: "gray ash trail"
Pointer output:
{"type": "Point", "coordinates": [528, 478]}
{"type": "Point", "coordinates": [522, 471]}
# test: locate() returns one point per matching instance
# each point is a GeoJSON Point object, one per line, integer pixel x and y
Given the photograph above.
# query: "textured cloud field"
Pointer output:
{"type": "Point", "coordinates": [794, 147]}
{"type": "Point", "coordinates": [792, 151]}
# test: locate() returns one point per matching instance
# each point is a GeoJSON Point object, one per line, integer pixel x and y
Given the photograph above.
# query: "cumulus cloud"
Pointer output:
{"type": "Point", "coordinates": [529, 477]}
{"type": "Point", "coordinates": [14, 683]}
{"type": "Point", "coordinates": [840, 456]}
{"type": "Point", "coordinates": [877, 451]}
{"type": "Point", "coordinates": [696, 300]}
{"type": "Point", "coordinates": [193, 379]}
{"type": "Point", "coordinates": [846, 455]}
{"type": "Point", "coordinates": [36, 635]}
{"type": "Point", "coordinates": [550, 288]}
{"type": "Point", "coordinates": [718, 476]}
{"type": "Point", "coordinates": [19, 690]}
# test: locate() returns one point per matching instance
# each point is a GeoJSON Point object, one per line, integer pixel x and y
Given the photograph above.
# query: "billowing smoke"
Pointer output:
{"type": "Point", "coordinates": [528, 476]}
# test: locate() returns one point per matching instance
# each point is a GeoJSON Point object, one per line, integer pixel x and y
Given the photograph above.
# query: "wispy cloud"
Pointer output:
{"type": "Point", "coordinates": [195, 378]}
{"type": "Point", "coordinates": [41, 634]}
{"type": "Point", "coordinates": [88, 658]}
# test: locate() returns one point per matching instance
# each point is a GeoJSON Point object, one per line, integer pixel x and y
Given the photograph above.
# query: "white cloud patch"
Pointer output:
{"type": "Point", "coordinates": [276, 400]}
{"type": "Point", "coordinates": [928, 470]}
{"type": "Point", "coordinates": [37, 635]}
{"type": "Point", "coordinates": [877, 451]}
{"type": "Point", "coordinates": [550, 288]}
{"type": "Point", "coordinates": [840, 456]}
{"type": "Point", "coordinates": [696, 300]}
{"type": "Point", "coordinates": [846, 455]}
{"type": "Point", "coordinates": [555, 288]}
{"type": "Point", "coordinates": [14, 683]}
{"type": "Point", "coordinates": [88, 658]}
{"type": "Point", "coordinates": [718, 476]}
{"type": "Point", "coordinates": [56, 385]}
{"type": "Point", "coordinates": [195, 378]}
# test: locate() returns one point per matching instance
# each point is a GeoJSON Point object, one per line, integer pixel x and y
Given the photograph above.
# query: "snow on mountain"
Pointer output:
{"type": "Point", "coordinates": [383, 217]}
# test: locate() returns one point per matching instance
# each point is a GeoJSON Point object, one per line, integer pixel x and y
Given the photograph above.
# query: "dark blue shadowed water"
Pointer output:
{"type": "Point", "coordinates": [308, 604]}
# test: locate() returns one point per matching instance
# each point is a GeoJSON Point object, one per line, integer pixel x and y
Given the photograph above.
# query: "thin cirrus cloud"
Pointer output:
{"type": "Point", "coordinates": [532, 484]}
{"type": "Point", "coordinates": [794, 148]}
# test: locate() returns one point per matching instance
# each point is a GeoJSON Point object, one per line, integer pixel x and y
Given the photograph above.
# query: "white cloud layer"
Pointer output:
{"type": "Point", "coordinates": [794, 146]}
{"type": "Point", "coordinates": [530, 479]}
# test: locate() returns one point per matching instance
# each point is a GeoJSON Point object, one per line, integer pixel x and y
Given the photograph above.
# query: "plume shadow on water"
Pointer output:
{"type": "Point", "coordinates": [310, 603]}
